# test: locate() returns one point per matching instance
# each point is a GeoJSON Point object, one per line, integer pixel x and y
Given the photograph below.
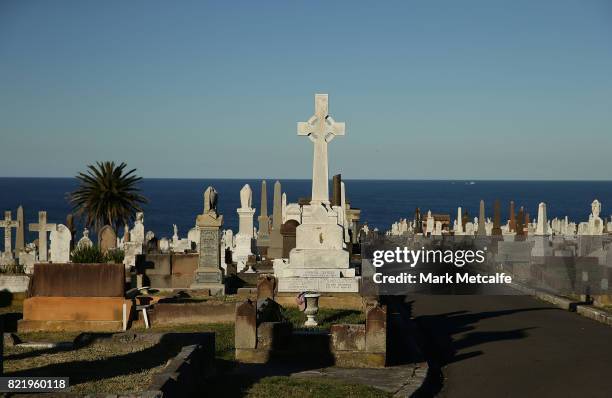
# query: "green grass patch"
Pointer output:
{"type": "Point", "coordinates": [319, 387]}
{"type": "Point", "coordinates": [326, 318]}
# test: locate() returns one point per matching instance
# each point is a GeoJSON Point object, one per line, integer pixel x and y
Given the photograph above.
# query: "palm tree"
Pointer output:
{"type": "Point", "coordinates": [107, 195]}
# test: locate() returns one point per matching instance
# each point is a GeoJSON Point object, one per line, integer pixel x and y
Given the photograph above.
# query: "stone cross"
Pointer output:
{"type": "Point", "coordinates": [42, 227]}
{"type": "Point", "coordinates": [8, 223]}
{"type": "Point", "coordinates": [321, 129]}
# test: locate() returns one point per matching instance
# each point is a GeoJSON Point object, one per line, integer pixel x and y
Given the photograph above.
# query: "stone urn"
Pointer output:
{"type": "Point", "coordinates": [312, 308]}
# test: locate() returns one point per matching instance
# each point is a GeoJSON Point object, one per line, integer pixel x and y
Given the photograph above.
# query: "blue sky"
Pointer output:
{"type": "Point", "coordinates": [428, 89]}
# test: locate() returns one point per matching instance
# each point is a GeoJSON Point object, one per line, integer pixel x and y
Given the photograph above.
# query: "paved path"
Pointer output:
{"type": "Point", "coordinates": [514, 346]}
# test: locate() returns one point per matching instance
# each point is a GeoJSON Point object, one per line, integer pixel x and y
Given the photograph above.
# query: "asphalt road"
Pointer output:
{"type": "Point", "coordinates": [513, 346]}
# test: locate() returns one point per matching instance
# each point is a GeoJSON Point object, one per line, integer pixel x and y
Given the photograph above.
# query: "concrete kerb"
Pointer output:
{"type": "Point", "coordinates": [581, 308]}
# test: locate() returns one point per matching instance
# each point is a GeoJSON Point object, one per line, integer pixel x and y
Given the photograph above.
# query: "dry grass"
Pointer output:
{"type": "Point", "coordinates": [108, 366]}
{"type": "Point", "coordinates": [99, 367]}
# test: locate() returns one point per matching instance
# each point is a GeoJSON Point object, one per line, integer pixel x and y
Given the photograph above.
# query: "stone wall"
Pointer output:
{"type": "Point", "coordinates": [177, 313]}
{"type": "Point", "coordinates": [345, 301]}
{"type": "Point", "coordinates": [78, 280]}
{"type": "Point", "coordinates": [362, 346]}
{"type": "Point", "coordinates": [14, 283]}
{"type": "Point", "coordinates": [76, 297]}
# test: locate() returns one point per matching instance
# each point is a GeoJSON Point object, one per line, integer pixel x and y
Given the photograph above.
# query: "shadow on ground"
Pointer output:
{"type": "Point", "coordinates": [83, 371]}
{"type": "Point", "coordinates": [437, 338]}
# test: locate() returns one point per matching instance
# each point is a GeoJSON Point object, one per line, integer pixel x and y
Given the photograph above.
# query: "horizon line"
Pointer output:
{"type": "Point", "coordinates": [344, 179]}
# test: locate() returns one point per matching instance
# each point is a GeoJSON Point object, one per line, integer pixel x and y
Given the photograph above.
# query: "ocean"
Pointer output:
{"type": "Point", "coordinates": [178, 201]}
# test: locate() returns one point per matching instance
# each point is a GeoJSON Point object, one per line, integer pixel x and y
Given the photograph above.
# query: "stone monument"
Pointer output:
{"type": "Point", "coordinates": [85, 241]}
{"type": "Point", "coordinates": [319, 262]}
{"type": "Point", "coordinates": [135, 244]}
{"type": "Point", "coordinates": [275, 250]}
{"type": "Point", "coordinates": [209, 274]}
{"type": "Point", "coordinates": [8, 224]}
{"type": "Point", "coordinates": [496, 231]}
{"type": "Point", "coordinates": [20, 238]}
{"type": "Point", "coordinates": [244, 237]}
{"type": "Point", "coordinates": [137, 234]}
{"type": "Point", "coordinates": [512, 222]}
{"type": "Point", "coordinates": [42, 228]}
{"type": "Point", "coordinates": [596, 224]}
{"type": "Point", "coordinates": [459, 222]}
{"type": "Point", "coordinates": [541, 241]}
{"type": "Point", "coordinates": [263, 235]}
{"type": "Point", "coordinates": [284, 207]}
{"type": "Point", "coordinates": [481, 220]}
{"type": "Point", "coordinates": [107, 239]}
{"type": "Point", "coordinates": [542, 222]}
{"type": "Point", "coordinates": [60, 244]}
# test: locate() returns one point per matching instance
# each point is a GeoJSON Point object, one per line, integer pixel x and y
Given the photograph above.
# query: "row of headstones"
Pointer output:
{"type": "Point", "coordinates": [59, 235]}
{"type": "Point", "coordinates": [519, 225]}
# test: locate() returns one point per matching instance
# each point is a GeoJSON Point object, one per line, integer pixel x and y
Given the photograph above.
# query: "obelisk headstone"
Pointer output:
{"type": "Point", "coordinates": [542, 222]}
{"type": "Point", "coordinates": [541, 244]}
{"type": "Point", "coordinates": [512, 222]}
{"type": "Point", "coordinates": [284, 207]}
{"type": "Point", "coordinates": [42, 228]}
{"type": "Point", "coordinates": [482, 231]}
{"type": "Point", "coordinates": [209, 274]}
{"type": "Point", "coordinates": [520, 228]}
{"type": "Point", "coordinates": [418, 222]}
{"type": "Point", "coordinates": [345, 223]}
{"type": "Point", "coordinates": [459, 222]}
{"type": "Point", "coordinates": [496, 219]}
{"type": "Point", "coordinates": [263, 234]}
{"type": "Point", "coordinates": [275, 250]}
{"type": "Point", "coordinates": [336, 193]}
{"type": "Point", "coordinates": [20, 238]}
